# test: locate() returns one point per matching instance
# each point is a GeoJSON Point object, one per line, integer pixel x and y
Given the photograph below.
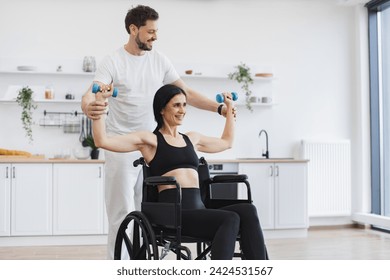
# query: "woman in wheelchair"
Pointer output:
{"type": "Point", "coordinates": [171, 153]}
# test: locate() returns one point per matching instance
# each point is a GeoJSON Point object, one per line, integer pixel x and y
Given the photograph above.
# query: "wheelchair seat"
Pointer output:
{"type": "Point", "coordinates": [158, 224]}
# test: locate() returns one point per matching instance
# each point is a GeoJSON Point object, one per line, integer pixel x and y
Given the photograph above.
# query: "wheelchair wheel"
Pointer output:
{"type": "Point", "coordinates": [141, 242]}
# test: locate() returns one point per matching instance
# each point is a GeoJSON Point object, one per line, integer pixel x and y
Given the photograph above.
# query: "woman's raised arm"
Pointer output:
{"type": "Point", "coordinates": [130, 142]}
{"type": "Point", "coordinates": [213, 144]}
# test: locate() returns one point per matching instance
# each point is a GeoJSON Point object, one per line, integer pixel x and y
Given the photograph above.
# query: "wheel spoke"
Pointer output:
{"type": "Point", "coordinates": [129, 245]}
{"type": "Point", "coordinates": [141, 244]}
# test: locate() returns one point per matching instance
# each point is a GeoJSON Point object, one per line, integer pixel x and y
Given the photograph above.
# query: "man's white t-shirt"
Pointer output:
{"type": "Point", "coordinates": [137, 79]}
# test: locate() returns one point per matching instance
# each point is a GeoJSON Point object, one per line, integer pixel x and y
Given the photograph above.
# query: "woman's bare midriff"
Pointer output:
{"type": "Point", "coordinates": [186, 177]}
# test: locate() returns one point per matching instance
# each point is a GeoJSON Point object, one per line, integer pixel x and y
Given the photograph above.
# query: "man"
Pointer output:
{"type": "Point", "coordinates": [137, 72]}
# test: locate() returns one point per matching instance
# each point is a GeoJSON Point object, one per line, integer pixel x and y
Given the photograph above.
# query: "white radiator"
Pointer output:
{"type": "Point", "coordinates": [329, 177]}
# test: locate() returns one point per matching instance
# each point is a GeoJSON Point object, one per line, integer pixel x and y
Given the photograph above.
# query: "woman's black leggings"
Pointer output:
{"type": "Point", "coordinates": [220, 225]}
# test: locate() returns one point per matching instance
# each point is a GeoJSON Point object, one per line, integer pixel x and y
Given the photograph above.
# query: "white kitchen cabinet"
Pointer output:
{"type": "Point", "coordinates": [5, 197]}
{"type": "Point", "coordinates": [31, 199]}
{"type": "Point", "coordinates": [279, 192]}
{"type": "Point", "coordinates": [105, 221]}
{"type": "Point", "coordinates": [78, 206]}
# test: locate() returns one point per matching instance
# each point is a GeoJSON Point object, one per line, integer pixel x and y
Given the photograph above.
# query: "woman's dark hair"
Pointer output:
{"type": "Point", "coordinates": [163, 95]}
{"type": "Point", "coordinates": [139, 15]}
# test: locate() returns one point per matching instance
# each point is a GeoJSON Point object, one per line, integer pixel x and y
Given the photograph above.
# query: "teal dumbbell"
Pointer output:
{"type": "Point", "coordinates": [220, 97]}
{"type": "Point", "coordinates": [96, 88]}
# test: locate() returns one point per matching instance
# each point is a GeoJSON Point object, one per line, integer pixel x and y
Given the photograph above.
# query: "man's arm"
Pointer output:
{"type": "Point", "coordinates": [198, 100]}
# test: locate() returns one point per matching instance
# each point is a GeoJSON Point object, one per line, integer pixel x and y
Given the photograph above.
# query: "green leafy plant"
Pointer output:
{"type": "Point", "coordinates": [243, 76]}
{"type": "Point", "coordinates": [24, 99]}
{"type": "Point", "coordinates": [89, 142]}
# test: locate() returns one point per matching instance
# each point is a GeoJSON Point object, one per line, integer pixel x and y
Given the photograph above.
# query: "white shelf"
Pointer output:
{"type": "Point", "coordinates": [263, 104]}
{"type": "Point", "coordinates": [36, 80]}
{"type": "Point", "coordinates": [87, 74]}
{"type": "Point", "coordinates": [57, 101]}
{"type": "Point", "coordinates": [257, 104]}
{"type": "Point", "coordinates": [201, 76]}
{"type": "Point", "coordinates": [4, 101]}
{"type": "Point", "coordinates": [264, 78]}
{"type": "Point", "coordinates": [76, 101]}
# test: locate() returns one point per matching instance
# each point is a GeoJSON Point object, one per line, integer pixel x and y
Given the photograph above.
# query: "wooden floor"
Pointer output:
{"type": "Point", "coordinates": [321, 244]}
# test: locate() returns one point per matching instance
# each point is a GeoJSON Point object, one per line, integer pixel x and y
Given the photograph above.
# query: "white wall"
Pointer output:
{"type": "Point", "coordinates": [311, 46]}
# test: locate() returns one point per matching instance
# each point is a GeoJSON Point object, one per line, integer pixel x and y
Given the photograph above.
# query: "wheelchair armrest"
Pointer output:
{"type": "Point", "coordinates": [229, 178]}
{"type": "Point", "coordinates": [160, 180]}
{"type": "Point", "coordinates": [154, 181]}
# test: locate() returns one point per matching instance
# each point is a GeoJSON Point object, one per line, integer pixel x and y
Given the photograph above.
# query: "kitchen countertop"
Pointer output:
{"type": "Point", "coordinates": [258, 160]}
{"type": "Point", "coordinates": [15, 159]}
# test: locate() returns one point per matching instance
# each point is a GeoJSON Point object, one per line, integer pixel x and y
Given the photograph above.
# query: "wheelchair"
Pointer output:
{"type": "Point", "coordinates": [158, 225]}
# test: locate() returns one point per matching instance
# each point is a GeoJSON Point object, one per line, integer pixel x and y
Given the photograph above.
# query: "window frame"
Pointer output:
{"type": "Point", "coordinates": [373, 8]}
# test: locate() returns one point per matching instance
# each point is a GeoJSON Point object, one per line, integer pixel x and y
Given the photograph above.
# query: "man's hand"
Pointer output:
{"type": "Point", "coordinates": [96, 108]}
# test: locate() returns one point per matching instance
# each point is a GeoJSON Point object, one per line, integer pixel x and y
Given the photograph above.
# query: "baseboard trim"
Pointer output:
{"type": "Point", "coordinates": [285, 233]}
{"type": "Point", "coordinates": [346, 226]}
{"type": "Point", "coordinates": [330, 221]}
{"type": "Point", "coordinates": [16, 241]}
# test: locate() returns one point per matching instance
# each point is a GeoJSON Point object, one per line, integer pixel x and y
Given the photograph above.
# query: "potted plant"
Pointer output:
{"type": "Point", "coordinates": [89, 142]}
{"type": "Point", "coordinates": [243, 76]}
{"type": "Point", "coordinates": [24, 99]}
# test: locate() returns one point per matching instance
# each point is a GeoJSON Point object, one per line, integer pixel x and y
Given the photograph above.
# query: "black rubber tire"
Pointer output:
{"type": "Point", "coordinates": [141, 245]}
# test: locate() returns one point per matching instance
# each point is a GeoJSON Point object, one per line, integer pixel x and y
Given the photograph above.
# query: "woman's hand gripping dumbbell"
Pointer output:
{"type": "Point", "coordinates": [220, 98]}
{"type": "Point", "coordinates": [97, 106]}
{"type": "Point", "coordinates": [96, 88]}
{"type": "Point", "coordinates": [102, 92]}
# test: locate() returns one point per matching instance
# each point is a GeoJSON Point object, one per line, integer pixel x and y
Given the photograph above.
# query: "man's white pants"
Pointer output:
{"type": "Point", "coordinates": [123, 191]}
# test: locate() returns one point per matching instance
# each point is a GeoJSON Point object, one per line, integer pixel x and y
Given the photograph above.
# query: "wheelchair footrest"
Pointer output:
{"type": "Point", "coordinates": [165, 250]}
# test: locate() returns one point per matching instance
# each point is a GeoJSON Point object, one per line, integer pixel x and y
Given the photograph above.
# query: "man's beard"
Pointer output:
{"type": "Point", "coordinates": [142, 46]}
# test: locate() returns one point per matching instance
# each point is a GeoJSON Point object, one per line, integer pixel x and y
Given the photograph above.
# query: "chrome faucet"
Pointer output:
{"type": "Point", "coordinates": [266, 154]}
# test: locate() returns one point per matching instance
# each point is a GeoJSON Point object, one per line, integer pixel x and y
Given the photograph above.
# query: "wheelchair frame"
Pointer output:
{"type": "Point", "coordinates": [159, 224]}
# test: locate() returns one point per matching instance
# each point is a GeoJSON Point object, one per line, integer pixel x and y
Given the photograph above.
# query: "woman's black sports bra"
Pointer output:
{"type": "Point", "coordinates": [168, 158]}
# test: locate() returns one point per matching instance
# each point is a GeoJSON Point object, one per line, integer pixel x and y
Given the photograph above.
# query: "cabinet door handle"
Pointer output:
{"type": "Point", "coordinates": [6, 172]}
{"type": "Point", "coordinates": [277, 171]}
{"type": "Point", "coordinates": [271, 171]}
{"type": "Point", "coordinates": [13, 172]}
{"type": "Point", "coordinates": [100, 172]}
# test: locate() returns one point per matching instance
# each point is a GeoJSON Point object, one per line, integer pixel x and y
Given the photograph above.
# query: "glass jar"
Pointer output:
{"type": "Point", "coordinates": [49, 92]}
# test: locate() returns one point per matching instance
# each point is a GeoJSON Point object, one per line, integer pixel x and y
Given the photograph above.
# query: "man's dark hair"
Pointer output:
{"type": "Point", "coordinates": [139, 15]}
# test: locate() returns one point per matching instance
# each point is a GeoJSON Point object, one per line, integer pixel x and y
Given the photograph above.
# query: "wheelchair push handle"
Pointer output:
{"type": "Point", "coordinates": [219, 97]}
{"type": "Point", "coordinates": [96, 88]}
{"type": "Point", "coordinates": [140, 161]}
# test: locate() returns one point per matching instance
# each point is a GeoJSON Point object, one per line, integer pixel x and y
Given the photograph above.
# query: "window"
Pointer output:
{"type": "Point", "coordinates": [379, 40]}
